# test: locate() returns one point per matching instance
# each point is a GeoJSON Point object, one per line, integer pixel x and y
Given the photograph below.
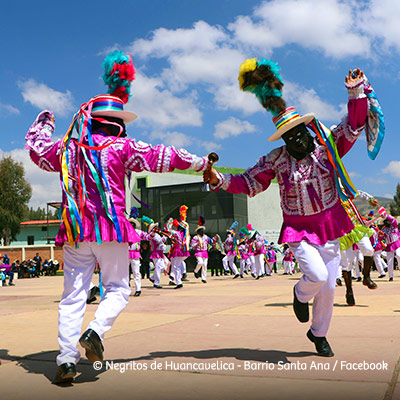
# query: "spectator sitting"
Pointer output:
{"type": "Point", "coordinates": [6, 260]}
{"type": "Point", "coordinates": [45, 267]}
{"type": "Point", "coordinates": [6, 270]}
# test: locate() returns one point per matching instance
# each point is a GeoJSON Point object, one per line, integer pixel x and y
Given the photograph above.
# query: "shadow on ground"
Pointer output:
{"type": "Point", "coordinates": [43, 363]}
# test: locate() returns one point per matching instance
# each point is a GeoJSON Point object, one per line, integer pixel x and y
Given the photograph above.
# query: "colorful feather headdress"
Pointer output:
{"type": "Point", "coordinates": [201, 224]}
{"type": "Point", "coordinates": [119, 73]}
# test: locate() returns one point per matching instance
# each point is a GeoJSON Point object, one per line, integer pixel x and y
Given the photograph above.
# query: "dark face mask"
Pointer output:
{"type": "Point", "coordinates": [387, 223]}
{"type": "Point", "coordinates": [299, 142]}
{"type": "Point", "coordinates": [109, 129]}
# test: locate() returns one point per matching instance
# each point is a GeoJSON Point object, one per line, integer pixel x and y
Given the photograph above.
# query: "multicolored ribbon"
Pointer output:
{"type": "Point", "coordinates": [344, 184]}
{"type": "Point", "coordinates": [75, 210]}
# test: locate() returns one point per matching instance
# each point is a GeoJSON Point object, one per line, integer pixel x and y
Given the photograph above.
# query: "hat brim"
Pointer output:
{"type": "Point", "coordinates": [252, 234]}
{"type": "Point", "coordinates": [305, 119]}
{"type": "Point", "coordinates": [134, 221]}
{"type": "Point", "coordinates": [126, 116]}
{"type": "Point", "coordinates": [200, 227]}
{"type": "Point", "coordinates": [152, 226]}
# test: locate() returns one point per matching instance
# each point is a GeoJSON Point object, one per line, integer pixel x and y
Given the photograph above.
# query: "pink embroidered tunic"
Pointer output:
{"type": "Point", "coordinates": [259, 245]}
{"type": "Point", "coordinates": [229, 246]}
{"type": "Point", "coordinates": [200, 245]}
{"type": "Point", "coordinates": [309, 198]}
{"type": "Point", "coordinates": [134, 248]}
{"type": "Point", "coordinates": [177, 249]}
{"type": "Point", "coordinates": [271, 255]}
{"type": "Point", "coordinates": [157, 244]}
{"type": "Point", "coordinates": [118, 159]}
{"type": "Point", "coordinates": [392, 236]}
{"type": "Point", "coordinates": [244, 251]}
{"type": "Point", "coordinates": [287, 255]}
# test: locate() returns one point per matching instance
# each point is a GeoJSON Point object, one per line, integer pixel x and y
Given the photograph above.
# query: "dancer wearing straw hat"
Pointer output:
{"type": "Point", "coordinates": [307, 170]}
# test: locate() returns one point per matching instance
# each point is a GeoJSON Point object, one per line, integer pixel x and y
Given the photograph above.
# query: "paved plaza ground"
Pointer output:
{"type": "Point", "coordinates": [227, 339]}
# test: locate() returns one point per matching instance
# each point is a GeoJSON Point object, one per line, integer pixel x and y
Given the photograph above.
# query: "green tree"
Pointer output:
{"type": "Point", "coordinates": [15, 193]}
{"type": "Point", "coordinates": [40, 214]}
{"type": "Point", "coordinates": [395, 204]}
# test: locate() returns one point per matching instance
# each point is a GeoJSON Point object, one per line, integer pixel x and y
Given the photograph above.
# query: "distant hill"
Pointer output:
{"type": "Point", "coordinates": [364, 208]}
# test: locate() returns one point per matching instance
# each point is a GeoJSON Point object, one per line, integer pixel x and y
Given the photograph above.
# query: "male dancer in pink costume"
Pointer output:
{"type": "Point", "coordinates": [392, 237]}
{"type": "Point", "coordinates": [313, 218]}
{"type": "Point", "coordinates": [94, 205]}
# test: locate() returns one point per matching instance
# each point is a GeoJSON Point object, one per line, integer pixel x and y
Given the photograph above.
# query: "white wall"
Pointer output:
{"type": "Point", "coordinates": [265, 213]}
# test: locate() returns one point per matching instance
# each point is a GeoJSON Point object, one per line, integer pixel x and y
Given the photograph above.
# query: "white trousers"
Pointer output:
{"type": "Point", "coordinates": [178, 268]}
{"type": "Point", "coordinates": [137, 277]}
{"type": "Point", "coordinates": [230, 261]}
{"type": "Point", "coordinates": [252, 264]}
{"type": "Point", "coordinates": [319, 265]}
{"type": "Point", "coordinates": [79, 264]}
{"type": "Point", "coordinates": [390, 260]}
{"type": "Point", "coordinates": [245, 264]}
{"type": "Point", "coordinates": [259, 261]}
{"type": "Point", "coordinates": [159, 266]}
{"type": "Point", "coordinates": [287, 267]}
{"type": "Point", "coordinates": [379, 262]}
{"type": "Point", "coordinates": [202, 263]}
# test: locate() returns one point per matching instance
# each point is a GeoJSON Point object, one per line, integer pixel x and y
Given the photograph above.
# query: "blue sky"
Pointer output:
{"type": "Point", "coordinates": [187, 55]}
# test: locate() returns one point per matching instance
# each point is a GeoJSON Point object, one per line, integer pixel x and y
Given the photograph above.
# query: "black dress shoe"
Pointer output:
{"type": "Point", "coordinates": [367, 281]}
{"type": "Point", "coordinates": [338, 282]}
{"type": "Point", "coordinates": [171, 283]}
{"type": "Point", "coordinates": [381, 276]}
{"type": "Point", "coordinates": [157, 286]}
{"type": "Point", "coordinates": [236, 276]}
{"type": "Point", "coordinates": [359, 279]}
{"type": "Point", "coordinates": [390, 279]}
{"type": "Point", "coordinates": [137, 293]}
{"type": "Point", "coordinates": [91, 342]}
{"type": "Point", "coordinates": [350, 299]}
{"type": "Point", "coordinates": [65, 373]}
{"type": "Point", "coordinates": [204, 281]}
{"type": "Point", "coordinates": [178, 286]}
{"type": "Point", "coordinates": [321, 345]}
{"type": "Point", "coordinates": [300, 309]}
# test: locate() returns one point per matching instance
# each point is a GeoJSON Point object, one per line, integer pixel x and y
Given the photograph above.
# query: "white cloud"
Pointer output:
{"type": "Point", "coordinates": [380, 20]}
{"type": "Point", "coordinates": [44, 97]}
{"type": "Point", "coordinates": [232, 127]}
{"type": "Point", "coordinates": [327, 26]}
{"type": "Point", "coordinates": [353, 174]}
{"type": "Point", "coordinates": [388, 196]}
{"type": "Point", "coordinates": [6, 109]}
{"type": "Point", "coordinates": [45, 185]}
{"type": "Point", "coordinates": [393, 168]}
{"type": "Point", "coordinates": [159, 107]}
{"type": "Point", "coordinates": [181, 140]}
{"type": "Point", "coordinates": [176, 139]}
{"type": "Point", "coordinates": [307, 100]}
{"type": "Point", "coordinates": [202, 37]}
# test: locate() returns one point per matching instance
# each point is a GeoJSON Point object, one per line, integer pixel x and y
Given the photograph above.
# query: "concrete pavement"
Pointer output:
{"type": "Point", "coordinates": [235, 339]}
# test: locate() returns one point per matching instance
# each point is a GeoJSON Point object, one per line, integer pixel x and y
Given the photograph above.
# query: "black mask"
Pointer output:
{"type": "Point", "coordinates": [112, 130]}
{"type": "Point", "coordinates": [387, 223]}
{"type": "Point", "coordinates": [299, 142]}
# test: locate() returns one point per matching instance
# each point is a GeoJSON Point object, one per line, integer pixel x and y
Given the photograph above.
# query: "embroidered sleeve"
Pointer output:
{"type": "Point", "coordinates": [139, 156]}
{"type": "Point", "coordinates": [43, 151]}
{"type": "Point", "coordinates": [194, 242]}
{"type": "Point", "coordinates": [349, 130]}
{"type": "Point", "coordinates": [253, 181]}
